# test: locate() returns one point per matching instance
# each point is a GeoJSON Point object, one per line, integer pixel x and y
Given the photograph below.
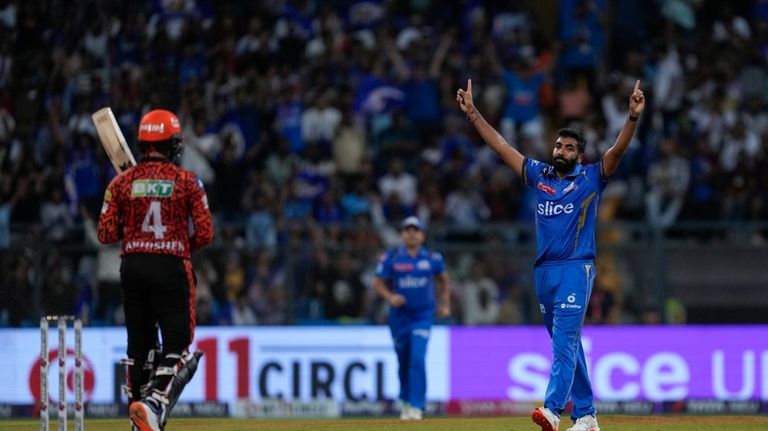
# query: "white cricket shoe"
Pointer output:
{"type": "Point", "coordinates": [544, 418]}
{"type": "Point", "coordinates": [405, 410]}
{"type": "Point", "coordinates": [146, 416]}
{"type": "Point", "coordinates": [585, 423]}
{"type": "Point", "coordinates": [416, 413]}
{"type": "Point", "coordinates": [408, 413]}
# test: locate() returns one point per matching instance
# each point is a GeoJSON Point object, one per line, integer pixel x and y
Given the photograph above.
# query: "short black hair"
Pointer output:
{"type": "Point", "coordinates": [567, 132]}
{"type": "Point", "coordinates": [168, 147]}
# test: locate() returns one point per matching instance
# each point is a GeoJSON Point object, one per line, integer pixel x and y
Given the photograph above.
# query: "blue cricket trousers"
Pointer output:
{"type": "Point", "coordinates": [410, 333]}
{"type": "Point", "coordinates": [563, 290]}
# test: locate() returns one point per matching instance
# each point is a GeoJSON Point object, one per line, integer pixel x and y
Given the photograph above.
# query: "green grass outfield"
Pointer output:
{"type": "Point", "coordinates": [607, 423]}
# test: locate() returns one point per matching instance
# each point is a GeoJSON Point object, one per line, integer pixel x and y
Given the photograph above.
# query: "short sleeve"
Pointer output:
{"type": "Point", "coordinates": [531, 169]}
{"type": "Point", "coordinates": [384, 267]}
{"type": "Point", "coordinates": [438, 263]}
{"type": "Point", "coordinates": [595, 170]}
{"type": "Point", "coordinates": [600, 173]}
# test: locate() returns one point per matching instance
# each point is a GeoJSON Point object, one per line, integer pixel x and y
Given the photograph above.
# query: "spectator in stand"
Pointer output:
{"type": "Point", "coordinates": [344, 297]}
{"type": "Point", "coordinates": [399, 182]}
{"type": "Point", "coordinates": [480, 297]}
{"type": "Point", "coordinates": [668, 180]}
{"type": "Point", "coordinates": [55, 218]}
{"type": "Point", "coordinates": [320, 121]}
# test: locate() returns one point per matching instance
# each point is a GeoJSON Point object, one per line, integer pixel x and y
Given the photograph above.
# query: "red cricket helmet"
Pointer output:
{"type": "Point", "coordinates": [161, 130]}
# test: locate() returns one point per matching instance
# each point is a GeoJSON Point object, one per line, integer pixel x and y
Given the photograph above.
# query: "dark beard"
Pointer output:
{"type": "Point", "coordinates": [563, 166]}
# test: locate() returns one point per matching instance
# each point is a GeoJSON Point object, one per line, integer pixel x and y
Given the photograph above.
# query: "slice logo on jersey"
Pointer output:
{"type": "Point", "coordinates": [411, 282]}
{"type": "Point", "coordinates": [546, 189]}
{"type": "Point", "coordinates": [152, 188]}
{"type": "Point", "coordinates": [550, 209]}
{"type": "Point", "coordinates": [572, 298]}
{"type": "Point", "coordinates": [424, 265]}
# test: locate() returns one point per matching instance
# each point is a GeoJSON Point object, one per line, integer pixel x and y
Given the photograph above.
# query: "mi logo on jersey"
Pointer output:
{"type": "Point", "coordinates": [152, 188]}
{"type": "Point", "coordinates": [572, 186]}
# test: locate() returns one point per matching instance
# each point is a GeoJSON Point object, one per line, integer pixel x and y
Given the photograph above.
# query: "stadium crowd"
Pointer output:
{"type": "Point", "coordinates": [317, 126]}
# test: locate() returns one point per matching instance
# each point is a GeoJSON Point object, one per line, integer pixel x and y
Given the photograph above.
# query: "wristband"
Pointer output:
{"type": "Point", "coordinates": [471, 118]}
{"type": "Point", "coordinates": [631, 118]}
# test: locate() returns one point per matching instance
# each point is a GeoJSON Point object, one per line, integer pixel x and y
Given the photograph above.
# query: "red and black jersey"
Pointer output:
{"type": "Point", "coordinates": [150, 207]}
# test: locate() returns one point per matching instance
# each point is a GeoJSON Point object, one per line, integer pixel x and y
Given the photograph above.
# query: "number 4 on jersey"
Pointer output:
{"type": "Point", "coordinates": [153, 221]}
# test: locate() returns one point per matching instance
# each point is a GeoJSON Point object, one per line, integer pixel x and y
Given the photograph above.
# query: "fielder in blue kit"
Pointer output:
{"type": "Point", "coordinates": [567, 197]}
{"type": "Point", "coordinates": [406, 277]}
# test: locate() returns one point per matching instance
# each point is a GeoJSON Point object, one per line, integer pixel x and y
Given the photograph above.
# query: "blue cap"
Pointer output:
{"type": "Point", "coordinates": [412, 221]}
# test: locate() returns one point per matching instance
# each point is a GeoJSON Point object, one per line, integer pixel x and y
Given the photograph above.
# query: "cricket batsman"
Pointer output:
{"type": "Point", "coordinates": [567, 197]}
{"type": "Point", "coordinates": [152, 207]}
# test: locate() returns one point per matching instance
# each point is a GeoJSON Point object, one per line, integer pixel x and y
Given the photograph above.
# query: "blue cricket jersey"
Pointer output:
{"type": "Point", "coordinates": [411, 277]}
{"type": "Point", "coordinates": [566, 210]}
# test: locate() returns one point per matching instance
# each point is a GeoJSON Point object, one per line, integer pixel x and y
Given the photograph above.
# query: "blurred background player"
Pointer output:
{"type": "Point", "coordinates": [149, 207]}
{"type": "Point", "coordinates": [567, 198]}
{"type": "Point", "coordinates": [404, 278]}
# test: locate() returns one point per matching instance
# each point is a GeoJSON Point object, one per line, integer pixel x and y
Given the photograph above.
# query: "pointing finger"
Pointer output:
{"type": "Point", "coordinates": [469, 85]}
{"type": "Point", "coordinates": [637, 85]}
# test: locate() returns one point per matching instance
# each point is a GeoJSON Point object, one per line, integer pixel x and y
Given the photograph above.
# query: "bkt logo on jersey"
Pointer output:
{"type": "Point", "coordinates": [152, 188]}
{"type": "Point", "coordinates": [411, 282]}
{"type": "Point", "coordinates": [550, 209]}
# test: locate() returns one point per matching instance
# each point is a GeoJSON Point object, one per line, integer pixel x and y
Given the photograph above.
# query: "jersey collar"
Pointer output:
{"type": "Point", "coordinates": [576, 171]}
{"type": "Point", "coordinates": [402, 250]}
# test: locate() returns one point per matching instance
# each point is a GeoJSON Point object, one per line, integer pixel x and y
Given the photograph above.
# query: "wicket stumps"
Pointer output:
{"type": "Point", "coordinates": [62, 359]}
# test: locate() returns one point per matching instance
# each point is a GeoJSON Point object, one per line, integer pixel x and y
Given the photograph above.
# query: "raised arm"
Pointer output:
{"type": "Point", "coordinates": [394, 56]}
{"type": "Point", "coordinates": [613, 155]}
{"type": "Point", "coordinates": [508, 153]}
{"type": "Point", "coordinates": [442, 50]}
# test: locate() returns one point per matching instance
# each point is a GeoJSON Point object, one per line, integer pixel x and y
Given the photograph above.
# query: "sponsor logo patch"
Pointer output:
{"type": "Point", "coordinates": [550, 209]}
{"type": "Point", "coordinates": [546, 189]}
{"type": "Point", "coordinates": [571, 187]}
{"type": "Point", "coordinates": [411, 282]}
{"type": "Point", "coordinates": [424, 265]}
{"type": "Point", "coordinates": [403, 267]}
{"type": "Point", "coordinates": [152, 188]}
{"type": "Point", "coordinates": [152, 128]}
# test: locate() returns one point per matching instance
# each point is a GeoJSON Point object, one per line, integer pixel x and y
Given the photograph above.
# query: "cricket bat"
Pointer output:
{"type": "Point", "coordinates": [112, 139]}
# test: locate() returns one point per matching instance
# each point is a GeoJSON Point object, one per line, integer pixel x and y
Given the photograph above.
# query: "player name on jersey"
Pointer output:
{"type": "Point", "coordinates": [154, 245]}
